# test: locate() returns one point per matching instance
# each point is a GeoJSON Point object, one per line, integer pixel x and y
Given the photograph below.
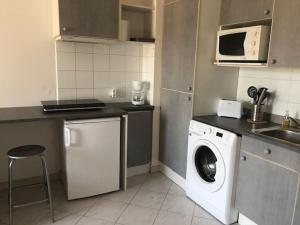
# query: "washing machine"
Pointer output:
{"type": "Point", "coordinates": [211, 170]}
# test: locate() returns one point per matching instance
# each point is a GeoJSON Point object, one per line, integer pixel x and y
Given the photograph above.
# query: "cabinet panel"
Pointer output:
{"type": "Point", "coordinates": [266, 192]}
{"type": "Point", "coordinates": [179, 45]}
{"type": "Point", "coordinates": [239, 11]}
{"type": "Point", "coordinates": [176, 113]}
{"type": "Point", "coordinates": [91, 18]}
{"type": "Point", "coordinates": [139, 138]}
{"type": "Point", "coordinates": [297, 210]}
{"type": "Point", "coordinates": [285, 38]}
{"type": "Point", "coordinates": [272, 152]}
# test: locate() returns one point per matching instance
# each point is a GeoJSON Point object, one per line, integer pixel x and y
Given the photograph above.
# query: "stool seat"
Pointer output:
{"type": "Point", "coordinates": [23, 152]}
{"type": "Point", "coordinates": [26, 151]}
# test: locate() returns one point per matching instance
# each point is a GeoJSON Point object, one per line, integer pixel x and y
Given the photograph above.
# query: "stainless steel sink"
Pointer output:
{"type": "Point", "coordinates": [286, 135]}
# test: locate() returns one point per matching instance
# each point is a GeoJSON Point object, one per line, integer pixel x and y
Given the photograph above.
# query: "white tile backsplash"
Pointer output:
{"type": "Point", "coordinates": [101, 49]}
{"type": "Point", "coordinates": [66, 94]}
{"type": "Point", "coordinates": [84, 48]}
{"type": "Point", "coordinates": [66, 79]}
{"type": "Point", "coordinates": [65, 61]}
{"type": "Point", "coordinates": [283, 83]}
{"type": "Point", "coordinates": [85, 93]}
{"type": "Point", "coordinates": [132, 64]}
{"type": "Point", "coordinates": [101, 62]}
{"type": "Point", "coordinates": [84, 79]}
{"type": "Point", "coordinates": [91, 70]}
{"type": "Point", "coordinates": [84, 61]}
{"type": "Point", "coordinates": [117, 49]}
{"type": "Point", "coordinates": [101, 79]}
{"type": "Point", "coordinates": [117, 62]}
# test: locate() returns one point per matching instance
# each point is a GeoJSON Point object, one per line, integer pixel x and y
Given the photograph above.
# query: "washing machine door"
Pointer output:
{"type": "Point", "coordinates": [209, 165]}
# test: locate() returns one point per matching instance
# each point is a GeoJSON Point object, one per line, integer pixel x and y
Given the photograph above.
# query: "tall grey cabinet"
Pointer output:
{"type": "Point", "coordinates": [178, 64]}
{"type": "Point", "coordinates": [285, 38]}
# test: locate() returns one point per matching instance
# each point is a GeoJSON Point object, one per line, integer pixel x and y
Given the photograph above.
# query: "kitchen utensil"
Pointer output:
{"type": "Point", "coordinates": [252, 92]}
{"type": "Point", "coordinates": [262, 96]}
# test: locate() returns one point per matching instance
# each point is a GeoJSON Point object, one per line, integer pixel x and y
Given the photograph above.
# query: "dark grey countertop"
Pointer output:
{"type": "Point", "coordinates": [35, 113]}
{"type": "Point", "coordinates": [243, 127]}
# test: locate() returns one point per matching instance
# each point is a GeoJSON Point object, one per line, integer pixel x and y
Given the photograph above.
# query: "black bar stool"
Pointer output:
{"type": "Point", "coordinates": [23, 152]}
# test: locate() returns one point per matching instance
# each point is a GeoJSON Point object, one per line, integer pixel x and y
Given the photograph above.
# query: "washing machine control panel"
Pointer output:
{"type": "Point", "coordinates": [210, 132]}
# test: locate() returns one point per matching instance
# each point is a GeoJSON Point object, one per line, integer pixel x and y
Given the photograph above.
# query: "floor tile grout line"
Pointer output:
{"type": "Point", "coordinates": [160, 208]}
{"type": "Point", "coordinates": [128, 204]}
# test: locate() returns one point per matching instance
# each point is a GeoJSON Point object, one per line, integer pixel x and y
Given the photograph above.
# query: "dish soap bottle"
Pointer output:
{"type": "Point", "coordinates": [286, 120]}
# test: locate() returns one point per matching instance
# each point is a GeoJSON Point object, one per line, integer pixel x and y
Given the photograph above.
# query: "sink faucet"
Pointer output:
{"type": "Point", "coordinates": [295, 122]}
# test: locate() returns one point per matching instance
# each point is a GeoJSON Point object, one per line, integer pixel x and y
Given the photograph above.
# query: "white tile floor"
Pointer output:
{"type": "Point", "coordinates": [150, 200]}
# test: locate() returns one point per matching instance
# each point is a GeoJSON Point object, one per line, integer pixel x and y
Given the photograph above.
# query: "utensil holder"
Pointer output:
{"type": "Point", "coordinates": [258, 113]}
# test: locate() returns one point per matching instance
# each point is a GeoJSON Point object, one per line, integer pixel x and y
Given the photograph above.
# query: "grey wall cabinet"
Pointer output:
{"type": "Point", "coordinates": [239, 11]}
{"type": "Point", "coordinates": [285, 38]}
{"type": "Point", "coordinates": [139, 145]}
{"type": "Point", "coordinates": [179, 45]}
{"type": "Point", "coordinates": [266, 192]}
{"type": "Point", "coordinates": [89, 18]}
{"type": "Point", "coordinates": [176, 112]}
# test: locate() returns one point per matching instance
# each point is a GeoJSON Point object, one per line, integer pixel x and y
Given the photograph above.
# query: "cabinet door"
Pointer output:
{"type": "Point", "coordinates": [239, 11]}
{"type": "Point", "coordinates": [297, 210]}
{"type": "Point", "coordinates": [139, 138]}
{"type": "Point", "coordinates": [176, 113]}
{"type": "Point", "coordinates": [266, 192]}
{"type": "Point", "coordinates": [90, 18]}
{"type": "Point", "coordinates": [179, 45]}
{"type": "Point", "coordinates": [285, 38]}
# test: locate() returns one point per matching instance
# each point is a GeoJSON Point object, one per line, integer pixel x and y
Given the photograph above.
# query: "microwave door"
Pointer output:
{"type": "Point", "coordinates": [232, 46]}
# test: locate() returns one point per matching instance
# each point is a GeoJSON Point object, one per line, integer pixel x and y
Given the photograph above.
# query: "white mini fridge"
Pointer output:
{"type": "Point", "coordinates": [91, 157]}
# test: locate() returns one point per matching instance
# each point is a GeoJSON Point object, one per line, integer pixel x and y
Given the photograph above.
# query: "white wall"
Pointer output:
{"type": "Point", "coordinates": [284, 84]}
{"type": "Point", "coordinates": [27, 76]}
{"type": "Point", "coordinates": [27, 62]}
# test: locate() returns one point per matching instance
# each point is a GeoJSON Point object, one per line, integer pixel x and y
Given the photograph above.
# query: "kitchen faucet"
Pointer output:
{"type": "Point", "coordinates": [295, 122]}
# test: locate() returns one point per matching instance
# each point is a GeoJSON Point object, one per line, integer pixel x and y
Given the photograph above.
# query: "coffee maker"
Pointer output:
{"type": "Point", "coordinates": [138, 93]}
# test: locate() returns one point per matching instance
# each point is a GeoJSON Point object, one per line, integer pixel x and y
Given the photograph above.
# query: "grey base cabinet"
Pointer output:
{"type": "Point", "coordinates": [139, 142]}
{"type": "Point", "coordinates": [266, 192]}
{"type": "Point", "coordinates": [240, 11]}
{"type": "Point", "coordinates": [89, 18]}
{"type": "Point", "coordinates": [297, 210]}
{"type": "Point", "coordinates": [176, 113]}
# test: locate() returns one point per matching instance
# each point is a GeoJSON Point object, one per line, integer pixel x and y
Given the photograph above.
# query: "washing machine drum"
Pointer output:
{"type": "Point", "coordinates": [210, 167]}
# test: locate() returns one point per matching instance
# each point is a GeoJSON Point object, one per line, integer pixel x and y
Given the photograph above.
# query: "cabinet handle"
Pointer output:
{"type": "Point", "coordinates": [273, 61]}
{"type": "Point", "coordinates": [267, 11]}
{"type": "Point", "coordinates": [64, 29]}
{"type": "Point", "coordinates": [243, 158]}
{"type": "Point", "coordinates": [189, 98]}
{"type": "Point", "coordinates": [190, 88]}
{"type": "Point", "coordinates": [267, 151]}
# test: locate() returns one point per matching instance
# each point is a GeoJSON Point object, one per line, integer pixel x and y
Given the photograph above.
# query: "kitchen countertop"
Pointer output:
{"type": "Point", "coordinates": [243, 128]}
{"type": "Point", "coordinates": [35, 113]}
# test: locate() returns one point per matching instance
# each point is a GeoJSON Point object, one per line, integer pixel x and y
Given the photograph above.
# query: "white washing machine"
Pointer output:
{"type": "Point", "coordinates": [211, 170]}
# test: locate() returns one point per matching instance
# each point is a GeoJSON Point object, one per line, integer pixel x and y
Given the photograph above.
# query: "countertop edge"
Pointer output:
{"type": "Point", "coordinates": [244, 129]}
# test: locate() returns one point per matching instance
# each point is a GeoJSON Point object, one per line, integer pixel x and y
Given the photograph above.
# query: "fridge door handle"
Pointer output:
{"type": "Point", "coordinates": [67, 137]}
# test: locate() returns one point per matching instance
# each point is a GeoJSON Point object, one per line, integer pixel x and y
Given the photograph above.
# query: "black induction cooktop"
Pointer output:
{"type": "Point", "coordinates": [71, 105]}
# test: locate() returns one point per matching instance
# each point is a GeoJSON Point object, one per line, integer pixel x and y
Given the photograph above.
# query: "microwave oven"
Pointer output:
{"type": "Point", "coordinates": [243, 45]}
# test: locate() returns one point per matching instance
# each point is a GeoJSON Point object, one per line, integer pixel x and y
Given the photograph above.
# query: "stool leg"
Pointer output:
{"type": "Point", "coordinates": [10, 190]}
{"type": "Point", "coordinates": [45, 182]}
{"type": "Point", "coordinates": [45, 167]}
